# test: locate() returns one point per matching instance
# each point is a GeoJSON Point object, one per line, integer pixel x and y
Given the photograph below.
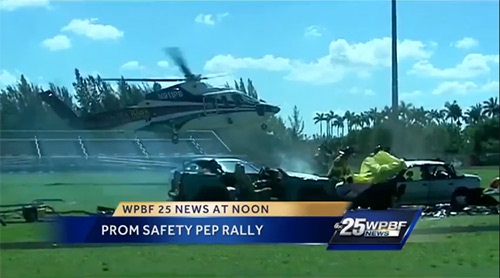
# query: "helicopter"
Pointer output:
{"type": "Point", "coordinates": [191, 104]}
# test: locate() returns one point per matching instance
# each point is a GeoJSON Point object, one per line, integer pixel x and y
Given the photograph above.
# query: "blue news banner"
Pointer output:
{"type": "Point", "coordinates": [356, 230]}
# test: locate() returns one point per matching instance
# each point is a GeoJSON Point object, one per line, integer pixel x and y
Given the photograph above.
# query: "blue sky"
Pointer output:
{"type": "Point", "coordinates": [319, 56]}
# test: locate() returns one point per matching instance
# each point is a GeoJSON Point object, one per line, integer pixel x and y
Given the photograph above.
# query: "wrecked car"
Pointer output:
{"type": "Point", "coordinates": [213, 179]}
{"type": "Point", "coordinates": [432, 182]}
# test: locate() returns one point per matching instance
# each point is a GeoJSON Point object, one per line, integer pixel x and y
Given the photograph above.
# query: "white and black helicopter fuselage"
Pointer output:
{"type": "Point", "coordinates": [185, 106]}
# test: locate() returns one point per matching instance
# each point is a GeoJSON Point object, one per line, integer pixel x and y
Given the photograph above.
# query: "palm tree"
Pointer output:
{"type": "Point", "coordinates": [318, 119]}
{"type": "Point", "coordinates": [365, 119]}
{"type": "Point", "coordinates": [356, 121]}
{"type": "Point", "coordinates": [453, 112]}
{"type": "Point", "coordinates": [385, 113]}
{"type": "Point", "coordinates": [436, 116]}
{"type": "Point", "coordinates": [330, 116]}
{"type": "Point", "coordinates": [491, 107]}
{"type": "Point", "coordinates": [373, 116]}
{"type": "Point", "coordinates": [417, 116]}
{"type": "Point", "coordinates": [338, 122]}
{"type": "Point", "coordinates": [327, 124]}
{"type": "Point", "coordinates": [474, 114]}
{"type": "Point", "coordinates": [348, 116]}
{"type": "Point", "coordinates": [404, 109]}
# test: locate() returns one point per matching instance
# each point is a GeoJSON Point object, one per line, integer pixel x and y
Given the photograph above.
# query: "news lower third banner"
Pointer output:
{"type": "Point", "coordinates": [242, 223]}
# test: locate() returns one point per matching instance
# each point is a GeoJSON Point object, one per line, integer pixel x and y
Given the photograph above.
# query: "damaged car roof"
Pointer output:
{"type": "Point", "coordinates": [419, 162]}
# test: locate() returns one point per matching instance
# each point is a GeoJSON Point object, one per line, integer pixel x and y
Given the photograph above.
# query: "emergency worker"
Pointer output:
{"type": "Point", "coordinates": [268, 185]}
{"type": "Point", "coordinates": [323, 158]}
{"type": "Point", "coordinates": [380, 148]}
{"type": "Point", "coordinates": [409, 176]}
{"type": "Point", "coordinates": [214, 167]}
{"type": "Point", "coordinates": [339, 168]}
{"type": "Point", "coordinates": [244, 185]}
{"type": "Point", "coordinates": [175, 182]}
{"type": "Point", "coordinates": [210, 167]}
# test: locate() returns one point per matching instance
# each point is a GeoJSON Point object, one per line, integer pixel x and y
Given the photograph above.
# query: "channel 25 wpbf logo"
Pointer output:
{"type": "Point", "coordinates": [363, 227]}
{"type": "Point", "coordinates": [374, 230]}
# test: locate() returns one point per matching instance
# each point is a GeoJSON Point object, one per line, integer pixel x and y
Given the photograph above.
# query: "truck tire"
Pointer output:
{"type": "Point", "coordinates": [460, 199]}
{"type": "Point", "coordinates": [476, 197]}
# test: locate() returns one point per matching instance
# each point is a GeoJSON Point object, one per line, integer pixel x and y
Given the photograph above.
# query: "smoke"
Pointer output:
{"type": "Point", "coordinates": [294, 163]}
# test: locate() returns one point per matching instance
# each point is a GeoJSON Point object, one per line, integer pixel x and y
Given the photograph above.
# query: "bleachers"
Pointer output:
{"type": "Point", "coordinates": [112, 147]}
{"type": "Point", "coordinates": [60, 147]}
{"type": "Point", "coordinates": [214, 147]}
{"type": "Point", "coordinates": [75, 147]}
{"type": "Point", "coordinates": [18, 147]}
{"type": "Point", "coordinates": [164, 147]}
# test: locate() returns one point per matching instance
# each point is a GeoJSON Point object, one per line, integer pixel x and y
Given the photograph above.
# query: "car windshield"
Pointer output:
{"type": "Point", "coordinates": [454, 170]}
{"type": "Point", "coordinates": [229, 165]}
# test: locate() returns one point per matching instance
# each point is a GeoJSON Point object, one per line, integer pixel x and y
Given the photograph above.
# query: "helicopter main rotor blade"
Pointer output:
{"type": "Point", "coordinates": [214, 76]}
{"type": "Point", "coordinates": [145, 79]}
{"type": "Point", "coordinates": [177, 57]}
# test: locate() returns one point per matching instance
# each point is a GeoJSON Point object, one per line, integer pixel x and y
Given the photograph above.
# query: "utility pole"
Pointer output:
{"type": "Point", "coordinates": [395, 101]}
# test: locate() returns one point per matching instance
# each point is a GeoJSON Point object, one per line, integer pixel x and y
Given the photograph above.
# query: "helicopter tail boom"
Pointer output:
{"type": "Point", "coordinates": [60, 108]}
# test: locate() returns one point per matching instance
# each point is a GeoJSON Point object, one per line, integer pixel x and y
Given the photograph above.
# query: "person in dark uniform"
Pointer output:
{"type": "Point", "coordinates": [174, 185]}
{"type": "Point", "coordinates": [244, 185]}
{"type": "Point", "coordinates": [323, 158]}
{"type": "Point", "coordinates": [339, 168]}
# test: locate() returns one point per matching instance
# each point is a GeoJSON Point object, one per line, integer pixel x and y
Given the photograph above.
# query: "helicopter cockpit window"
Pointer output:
{"type": "Point", "coordinates": [156, 87]}
{"type": "Point", "coordinates": [210, 102]}
{"type": "Point", "coordinates": [237, 99]}
{"type": "Point", "coordinates": [248, 100]}
{"type": "Point", "coordinates": [224, 100]}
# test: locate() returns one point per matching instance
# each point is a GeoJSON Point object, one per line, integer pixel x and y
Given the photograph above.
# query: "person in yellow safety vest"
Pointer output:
{"type": "Point", "coordinates": [380, 148]}
{"type": "Point", "coordinates": [339, 168]}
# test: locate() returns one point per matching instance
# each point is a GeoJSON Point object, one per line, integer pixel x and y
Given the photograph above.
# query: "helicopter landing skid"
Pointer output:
{"type": "Point", "coordinates": [175, 137]}
{"type": "Point", "coordinates": [175, 133]}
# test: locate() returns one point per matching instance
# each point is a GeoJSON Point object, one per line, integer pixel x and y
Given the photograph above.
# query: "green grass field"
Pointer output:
{"type": "Point", "coordinates": [474, 252]}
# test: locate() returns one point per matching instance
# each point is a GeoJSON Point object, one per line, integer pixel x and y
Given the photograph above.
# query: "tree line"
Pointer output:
{"type": "Point", "coordinates": [451, 130]}
{"type": "Point", "coordinates": [417, 132]}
